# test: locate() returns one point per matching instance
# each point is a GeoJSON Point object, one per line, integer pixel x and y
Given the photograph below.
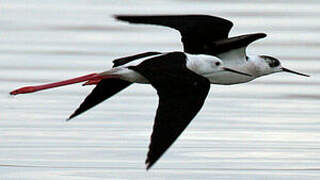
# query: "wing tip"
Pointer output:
{"type": "Point", "coordinates": [148, 164]}
{"type": "Point", "coordinates": [117, 17]}
{"type": "Point", "coordinates": [262, 35]}
{"type": "Point", "coordinates": [255, 35]}
{"type": "Point", "coordinates": [123, 17]}
{"type": "Point", "coordinates": [246, 39]}
{"type": "Point", "coordinates": [71, 116]}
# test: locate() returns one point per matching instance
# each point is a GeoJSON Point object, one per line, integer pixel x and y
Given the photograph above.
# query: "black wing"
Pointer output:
{"type": "Point", "coordinates": [104, 90]}
{"type": "Point", "coordinates": [108, 87]}
{"type": "Point", "coordinates": [125, 60]}
{"type": "Point", "coordinates": [225, 45]}
{"type": "Point", "coordinates": [197, 31]}
{"type": "Point", "coordinates": [201, 34]}
{"type": "Point", "coordinates": [181, 96]}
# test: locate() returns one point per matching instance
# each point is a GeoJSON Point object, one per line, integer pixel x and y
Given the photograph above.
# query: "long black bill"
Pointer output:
{"type": "Point", "coordinates": [294, 72]}
{"type": "Point", "coordinates": [234, 71]}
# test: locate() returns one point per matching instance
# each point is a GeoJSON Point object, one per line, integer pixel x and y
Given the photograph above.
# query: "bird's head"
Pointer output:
{"type": "Point", "coordinates": [210, 64]}
{"type": "Point", "coordinates": [273, 65]}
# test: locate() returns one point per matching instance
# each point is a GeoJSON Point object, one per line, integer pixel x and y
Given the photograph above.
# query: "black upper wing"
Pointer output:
{"type": "Point", "coordinates": [181, 96]}
{"type": "Point", "coordinates": [201, 34]}
{"type": "Point", "coordinates": [225, 45]}
{"type": "Point", "coordinates": [197, 31]}
{"type": "Point", "coordinates": [108, 87]}
{"type": "Point", "coordinates": [125, 60]}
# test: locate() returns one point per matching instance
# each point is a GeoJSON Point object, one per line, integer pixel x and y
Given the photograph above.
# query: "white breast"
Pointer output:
{"type": "Point", "coordinates": [228, 78]}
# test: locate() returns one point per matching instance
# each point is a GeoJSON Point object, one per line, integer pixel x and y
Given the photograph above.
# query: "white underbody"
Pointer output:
{"type": "Point", "coordinates": [228, 78]}
{"type": "Point", "coordinates": [194, 64]}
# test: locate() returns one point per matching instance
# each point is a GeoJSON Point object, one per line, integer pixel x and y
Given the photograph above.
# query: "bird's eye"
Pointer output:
{"type": "Point", "coordinates": [273, 62]}
{"type": "Point", "coordinates": [218, 63]}
{"type": "Point", "coordinates": [247, 58]}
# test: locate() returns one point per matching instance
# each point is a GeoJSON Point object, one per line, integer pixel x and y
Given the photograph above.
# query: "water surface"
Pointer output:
{"type": "Point", "coordinates": [265, 129]}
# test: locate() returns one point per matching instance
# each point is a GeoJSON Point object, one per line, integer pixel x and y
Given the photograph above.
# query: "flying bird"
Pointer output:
{"type": "Point", "coordinates": [204, 34]}
{"type": "Point", "coordinates": [182, 79]}
{"type": "Point", "coordinates": [182, 82]}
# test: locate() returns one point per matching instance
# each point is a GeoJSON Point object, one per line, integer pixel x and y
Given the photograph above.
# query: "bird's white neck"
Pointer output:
{"type": "Point", "coordinates": [252, 65]}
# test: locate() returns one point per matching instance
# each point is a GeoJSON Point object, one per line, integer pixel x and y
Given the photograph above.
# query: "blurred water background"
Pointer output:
{"type": "Point", "coordinates": [265, 129]}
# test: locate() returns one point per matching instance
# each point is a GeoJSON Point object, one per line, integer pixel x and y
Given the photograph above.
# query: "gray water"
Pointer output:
{"type": "Point", "coordinates": [265, 129]}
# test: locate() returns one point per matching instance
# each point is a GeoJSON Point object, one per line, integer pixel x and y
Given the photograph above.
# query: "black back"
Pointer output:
{"type": "Point", "coordinates": [201, 34]}
{"type": "Point", "coordinates": [108, 87]}
{"type": "Point", "coordinates": [181, 96]}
